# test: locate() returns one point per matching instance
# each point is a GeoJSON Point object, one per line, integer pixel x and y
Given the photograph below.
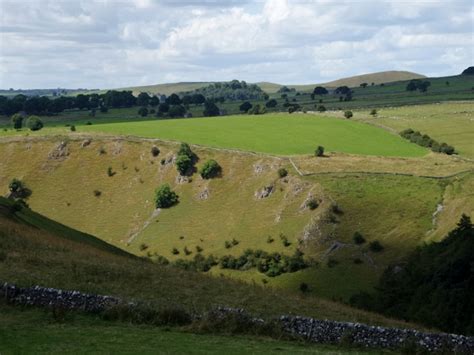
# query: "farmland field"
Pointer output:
{"type": "Point", "coordinates": [280, 134]}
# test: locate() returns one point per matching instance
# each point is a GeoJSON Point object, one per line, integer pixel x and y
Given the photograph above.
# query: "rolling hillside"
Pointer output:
{"type": "Point", "coordinates": [213, 212]}
{"type": "Point", "coordinates": [269, 87]}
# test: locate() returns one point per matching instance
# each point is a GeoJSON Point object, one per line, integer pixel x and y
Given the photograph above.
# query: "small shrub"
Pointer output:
{"type": "Point", "coordinates": [155, 151]}
{"type": "Point", "coordinates": [88, 123]}
{"type": "Point", "coordinates": [357, 261]}
{"type": "Point", "coordinates": [284, 240]}
{"type": "Point", "coordinates": [304, 287]}
{"type": "Point", "coordinates": [163, 161]}
{"type": "Point", "coordinates": [34, 123]}
{"type": "Point", "coordinates": [102, 151]}
{"type": "Point", "coordinates": [228, 244]}
{"type": "Point", "coordinates": [373, 112]}
{"type": "Point", "coordinates": [234, 241]}
{"type": "Point", "coordinates": [332, 262]}
{"type": "Point", "coordinates": [175, 251]}
{"type": "Point", "coordinates": [210, 169]}
{"type": "Point", "coordinates": [358, 238]}
{"type": "Point", "coordinates": [143, 111]}
{"type": "Point", "coordinates": [348, 114]}
{"type": "Point", "coordinates": [375, 246]}
{"type": "Point", "coordinates": [312, 204]}
{"type": "Point", "coordinates": [319, 152]}
{"type": "Point", "coordinates": [187, 251]}
{"type": "Point", "coordinates": [110, 172]}
{"type": "Point", "coordinates": [199, 249]}
{"type": "Point", "coordinates": [282, 172]}
{"type": "Point", "coordinates": [97, 193]}
{"type": "Point", "coordinates": [72, 128]}
{"type": "Point", "coordinates": [143, 247]}
{"type": "Point", "coordinates": [165, 197]}
{"type": "Point", "coordinates": [321, 108]}
{"type": "Point", "coordinates": [270, 239]}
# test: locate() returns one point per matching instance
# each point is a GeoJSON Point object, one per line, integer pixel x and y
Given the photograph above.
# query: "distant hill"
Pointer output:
{"type": "Point", "coordinates": [269, 87]}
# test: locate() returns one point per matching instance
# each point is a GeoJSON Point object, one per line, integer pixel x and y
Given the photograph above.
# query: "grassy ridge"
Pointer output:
{"type": "Point", "coordinates": [281, 134]}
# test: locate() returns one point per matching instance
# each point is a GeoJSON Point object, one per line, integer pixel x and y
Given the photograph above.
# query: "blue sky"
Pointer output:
{"type": "Point", "coordinates": [110, 44]}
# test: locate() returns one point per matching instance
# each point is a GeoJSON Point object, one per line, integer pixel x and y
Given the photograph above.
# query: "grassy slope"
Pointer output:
{"type": "Point", "coordinates": [41, 333]}
{"type": "Point", "coordinates": [125, 208]}
{"type": "Point", "coordinates": [450, 123]}
{"type": "Point", "coordinates": [281, 134]}
{"type": "Point", "coordinates": [30, 257]}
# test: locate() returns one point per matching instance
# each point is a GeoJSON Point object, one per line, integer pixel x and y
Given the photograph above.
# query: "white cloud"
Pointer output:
{"type": "Point", "coordinates": [105, 43]}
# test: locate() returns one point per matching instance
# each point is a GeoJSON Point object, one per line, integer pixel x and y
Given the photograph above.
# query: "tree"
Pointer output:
{"type": "Point", "coordinates": [165, 197]}
{"type": "Point", "coordinates": [245, 106]}
{"type": "Point", "coordinates": [363, 85]}
{"type": "Point", "coordinates": [183, 164]}
{"type": "Point", "coordinates": [198, 99]}
{"type": "Point", "coordinates": [358, 238]}
{"type": "Point", "coordinates": [17, 121]}
{"type": "Point", "coordinates": [342, 90]}
{"type": "Point", "coordinates": [154, 101]}
{"type": "Point", "coordinates": [176, 111]}
{"type": "Point", "coordinates": [319, 152]}
{"type": "Point", "coordinates": [173, 99]}
{"type": "Point", "coordinates": [18, 189]}
{"type": "Point", "coordinates": [257, 110]}
{"type": "Point", "coordinates": [143, 111]}
{"type": "Point", "coordinates": [348, 114]}
{"type": "Point", "coordinates": [211, 109]}
{"type": "Point", "coordinates": [319, 90]}
{"type": "Point", "coordinates": [271, 103]}
{"type": "Point", "coordinates": [210, 169]}
{"type": "Point", "coordinates": [373, 112]}
{"type": "Point", "coordinates": [163, 108]}
{"type": "Point", "coordinates": [34, 123]}
{"type": "Point", "coordinates": [143, 99]}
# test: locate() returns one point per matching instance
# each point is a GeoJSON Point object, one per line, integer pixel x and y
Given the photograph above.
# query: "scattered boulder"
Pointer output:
{"type": "Point", "coordinates": [204, 194]}
{"type": "Point", "coordinates": [86, 142]}
{"type": "Point", "coordinates": [180, 179]}
{"type": "Point", "coordinates": [59, 152]}
{"type": "Point", "coordinates": [264, 192]}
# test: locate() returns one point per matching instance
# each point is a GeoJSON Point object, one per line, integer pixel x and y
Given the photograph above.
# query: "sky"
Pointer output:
{"type": "Point", "coordinates": [113, 44]}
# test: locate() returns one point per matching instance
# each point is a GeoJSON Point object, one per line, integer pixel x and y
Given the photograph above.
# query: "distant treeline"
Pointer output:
{"type": "Point", "coordinates": [43, 105]}
{"type": "Point", "coordinates": [426, 141]}
{"type": "Point", "coordinates": [232, 90]}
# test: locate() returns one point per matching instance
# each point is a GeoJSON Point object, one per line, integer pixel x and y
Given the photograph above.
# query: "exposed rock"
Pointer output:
{"type": "Point", "coordinates": [86, 142]}
{"type": "Point", "coordinates": [117, 148]}
{"type": "Point", "coordinates": [59, 152]}
{"type": "Point", "coordinates": [180, 179]}
{"type": "Point", "coordinates": [257, 168]}
{"type": "Point", "coordinates": [264, 192]}
{"type": "Point", "coordinates": [204, 194]}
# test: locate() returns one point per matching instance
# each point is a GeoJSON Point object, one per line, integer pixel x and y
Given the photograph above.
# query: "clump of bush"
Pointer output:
{"type": "Point", "coordinates": [425, 140]}
{"type": "Point", "coordinates": [312, 204]}
{"type": "Point", "coordinates": [373, 112]}
{"type": "Point", "coordinates": [175, 251]}
{"type": "Point", "coordinates": [304, 287]}
{"type": "Point", "coordinates": [358, 238]}
{"type": "Point", "coordinates": [375, 246]}
{"type": "Point", "coordinates": [72, 128]}
{"type": "Point", "coordinates": [284, 240]}
{"type": "Point", "coordinates": [97, 193]}
{"type": "Point", "coordinates": [110, 172]}
{"type": "Point", "coordinates": [319, 152]}
{"type": "Point", "coordinates": [185, 160]}
{"type": "Point", "coordinates": [210, 169]}
{"type": "Point", "coordinates": [155, 151]}
{"type": "Point", "coordinates": [165, 197]}
{"type": "Point", "coordinates": [348, 114]}
{"type": "Point", "coordinates": [18, 189]}
{"type": "Point", "coordinates": [34, 123]}
{"type": "Point", "coordinates": [282, 172]}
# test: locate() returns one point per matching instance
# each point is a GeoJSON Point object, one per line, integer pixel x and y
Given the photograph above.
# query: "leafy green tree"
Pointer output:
{"type": "Point", "coordinates": [319, 90]}
{"type": "Point", "coordinates": [163, 108]}
{"type": "Point", "coordinates": [165, 197]}
{"type": "Point", "coordinates": [143, 99]}
{"type": "Point", "coordinates": [358, 238]}
{"type": "Point", "coordinates": [154, 101]}
{"type": "Point", "coordinates": [363, 85]}
{"type": "Point", "coordinates": [342, 90]}
{"type": "Point", "coordinates": [319, 152]}
{"type": "Point", "coordinates": [282, 172]}
{"type": "Point", "coordinates": [173, 99]}
{"type": "Point", "coordinates": [34, 123]}
{"type": "Point", "coordinates": [176, 111]}
{"type": "Point", "coordinates": [245, 106]}
{"type": "Point", "coordinates": [143, 111]}
{"type": "Point", "coordinates": [17, 121]}
{"type": "Point", "coordinates": [210, 169]}
{"type": "Point", "coordinates": [211, 109]}
{"type": "Point", "coordinates": [184, 164]}
{"type": "Point", "coordinates": [271, 103]}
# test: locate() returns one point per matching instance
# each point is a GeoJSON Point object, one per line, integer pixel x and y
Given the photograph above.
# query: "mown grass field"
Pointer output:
{"type": "Point", "coordinates": [280, 134]}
